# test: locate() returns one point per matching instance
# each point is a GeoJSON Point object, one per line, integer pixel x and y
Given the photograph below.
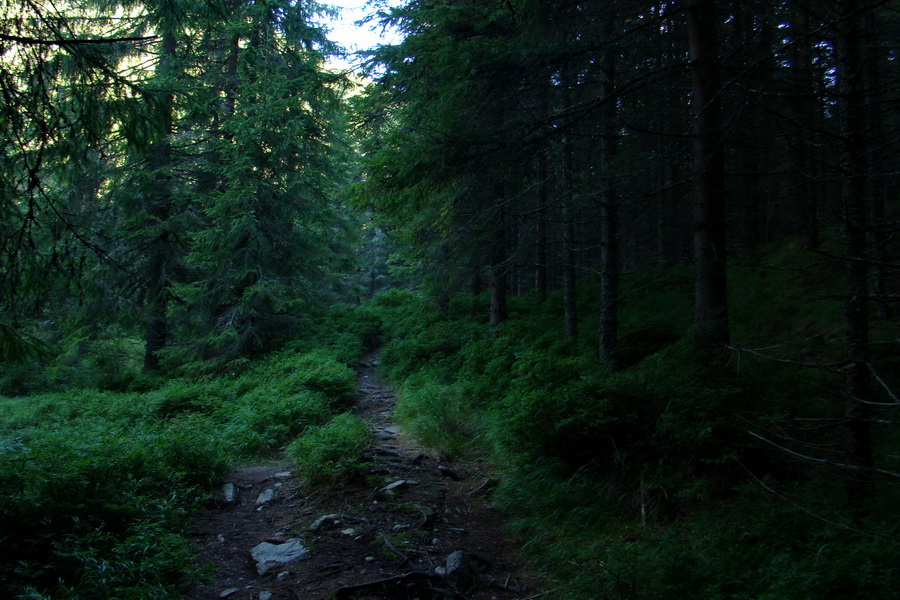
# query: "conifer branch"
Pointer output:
{"type": "Point", "coordinates": [32, 41]}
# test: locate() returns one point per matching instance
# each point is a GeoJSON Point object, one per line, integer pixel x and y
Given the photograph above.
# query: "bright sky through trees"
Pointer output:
{"type": "Point", "coordinates": [354, 36]}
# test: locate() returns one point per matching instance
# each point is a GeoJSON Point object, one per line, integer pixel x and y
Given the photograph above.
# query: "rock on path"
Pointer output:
{"type": "Point", "coordinates": [413, 528]}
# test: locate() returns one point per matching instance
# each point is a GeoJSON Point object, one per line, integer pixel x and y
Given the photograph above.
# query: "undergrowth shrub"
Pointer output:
{"type": "Point", "coordinates": [317, 370]}
{"type": "Point", "coordinates": [438, 414]}
{"type": "Point", "coordinates": [268, 418]}
{"type": "Point", "coordinates": [74, 496]}
{"type": "Point", "coordinates": [96, 487]}
{"type": "Point", "coordinates": [643, 479]}
{"type": "Point", "coordinates": [331, 453]}
{"type": "Point", "coordinates": [433, 343]}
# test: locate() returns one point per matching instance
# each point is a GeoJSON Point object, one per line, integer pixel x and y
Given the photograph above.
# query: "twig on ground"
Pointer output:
{"type": "Point", "coordinates": [349, 590]}
{"type": "Point", "coordinates": [393, 548]}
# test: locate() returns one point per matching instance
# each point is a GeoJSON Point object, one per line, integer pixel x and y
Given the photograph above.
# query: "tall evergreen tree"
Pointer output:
{"type": "Point", "coordinates": [270, 232]}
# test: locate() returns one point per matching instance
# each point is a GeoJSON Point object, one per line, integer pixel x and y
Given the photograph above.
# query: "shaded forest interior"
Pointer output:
{"type": "Point", "coordinates": [640, 257]}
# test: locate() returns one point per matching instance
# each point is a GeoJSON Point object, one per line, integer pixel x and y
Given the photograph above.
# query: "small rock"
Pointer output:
{"type": "Point", "coordinates": [283, 575]}
{"type": "Point", "coordinates": [348, 531]}
{"type": "Point", "coordinates": [447, 472]}
{"type": "Point", "coordinates": [440, 571]}
{"type": "Point", "coordinates": [220, 538]}
{"type": "Point", "coordinates": [456, 562]}
{"type": "Point", "coordinates": [463, 565]}
{"type": "Point", "coordinates": [370, 559]}
{"type": "Point", "coordinates": [278, 485]}
{"type": "Point", "coordinates": [332, 518]}
{"type": "Point", "coordinates": [435, 542]}
{"type": "Point", "coordinates": [229, 592]}
{"type": "Point", "coordinates": [266, 496]}
{"type": "Point", "coordinates": [399, 527]}
{"type": "Point", "coordinates": [229, 491]}
{"type": "Point", "coordinates": [284, 475]}
{"type": "Point", "coordinates": [268, 556]}
{"type": "Point", "coordinates": [265, 596]}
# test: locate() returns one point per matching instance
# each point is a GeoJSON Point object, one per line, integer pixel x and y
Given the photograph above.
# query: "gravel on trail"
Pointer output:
{"type": "Point", "coordinates": [415, 527]}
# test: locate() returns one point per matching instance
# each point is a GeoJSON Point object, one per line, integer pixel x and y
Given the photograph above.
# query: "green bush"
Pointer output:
{"type": "Point", "coordinates": [268, 418]}
{"type": "Point", "coordinates": [633, 480]}
{"type": "Point", "coordinates": [317, 370]}
{"type": "Point", "coordinates": [96, 486]}
{"type": "Point", "coordinates": [331, 453]}
{"type": "Point", "coordinates": [74, 500]}
{"type": "Point", "coordinates": [437, 414]}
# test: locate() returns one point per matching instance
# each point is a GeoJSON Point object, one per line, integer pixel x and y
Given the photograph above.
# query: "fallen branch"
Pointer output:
{"type": "Point", "coordinates": [393, 548]}
{"type": "Point", "coordinates": [811, 513]}
{"type": "Point", "coordinates": [832, 367]}
{"type": "Point", "coordinates": [895, 400]}
{"type": "Point", "coordinates": [488, 484]}
{"type": "Point", "coordinates": [349, 590]}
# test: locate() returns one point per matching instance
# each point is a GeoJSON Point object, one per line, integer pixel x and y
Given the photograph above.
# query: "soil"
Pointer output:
{"type": "Point", "coordinates": [389, 535]}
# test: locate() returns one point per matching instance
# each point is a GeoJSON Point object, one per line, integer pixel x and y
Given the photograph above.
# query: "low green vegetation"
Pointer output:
{"type": "Point", "coordinates": [97, 487]}
{"type": "Point", "coordinates": [660, 476]}
{"type": "Point", "coordinates": [332, 452]}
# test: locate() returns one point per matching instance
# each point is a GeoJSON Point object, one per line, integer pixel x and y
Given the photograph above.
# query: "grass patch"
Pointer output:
{"type": "Point", "coordinates": [332, 452]}
{"type": "Point", "coordinates": [97, 487]}
{"type": "Point", "coordinates": [641, 479]}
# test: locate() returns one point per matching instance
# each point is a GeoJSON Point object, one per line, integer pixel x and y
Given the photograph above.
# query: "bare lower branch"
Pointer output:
{"type": "Point", "coordinates": [833, 367]}
{"type": "Point", "coordinates": [31, 41]}
{"type": "Point", "coordinates": [825, 461]}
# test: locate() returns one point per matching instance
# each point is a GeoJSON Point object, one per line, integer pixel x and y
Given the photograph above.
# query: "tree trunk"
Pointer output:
{"type": "Point", "coordinates": [609, 271]}
{"type": "Point", "coordinates": [542, 254]}
{"type": "Point", "coordinates": [804, 168]}
{"type": "Point", "coordinates": [851, 81]}
{"type": "Point", "coordinates": [159, 208]}
{"type": "Point", "coordinates": [570, 282]}
{"type": "Point", "coordinates": [875, 124]}
{"type": "Point", "coordinates": [498, 276]}
{"type": "Point", "coordinates": [498, 264]}
{"type": "Point", "coordinates": [711, 302]}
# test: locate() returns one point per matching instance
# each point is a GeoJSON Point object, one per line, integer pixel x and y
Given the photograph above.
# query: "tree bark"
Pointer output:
{"type": "Point", "coordinates": [159, 208]}
{"type": "Point", "coordinates": [498, 282]}
{"type": "Point", "coordinates": [851, 82]}
{"type": "Point", "coordinates": [570, 281]}
{"type": "Point", "coordinates": [542, 254]}
{"type": "Point", "coordinates": [498, 279]}
{"type": "Point", "coordinates": [609, 208]}
{"type": "Point", "coordinates": [876, 191]}
{"type": "Point", "coordinates": [710, 297]}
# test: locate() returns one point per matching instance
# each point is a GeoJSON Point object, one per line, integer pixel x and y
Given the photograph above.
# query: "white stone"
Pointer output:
{"type": "Point", "coordinates": [266, 496]}
{"type": "Point", "coordinates": [269, 556]}
{"type": "Point", "coordinates": [325, 519]}
{"type": "Point", "coordinates": [229, 491]}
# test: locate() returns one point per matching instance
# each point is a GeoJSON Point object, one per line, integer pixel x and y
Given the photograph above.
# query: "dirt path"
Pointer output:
{"type": "Point", "coordinates": [417, 529]}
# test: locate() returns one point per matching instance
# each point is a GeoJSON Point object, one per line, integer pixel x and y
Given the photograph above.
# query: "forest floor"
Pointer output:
{"type": "Point", "coordinates": [414, 527]}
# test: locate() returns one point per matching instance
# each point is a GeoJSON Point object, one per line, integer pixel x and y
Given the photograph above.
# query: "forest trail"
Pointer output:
{"type": "Point", "coordinates": [414, 528]}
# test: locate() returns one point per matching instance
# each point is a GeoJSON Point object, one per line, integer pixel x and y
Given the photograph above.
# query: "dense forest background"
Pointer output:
{"type": "Point", "coordinates": [641, 257]}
